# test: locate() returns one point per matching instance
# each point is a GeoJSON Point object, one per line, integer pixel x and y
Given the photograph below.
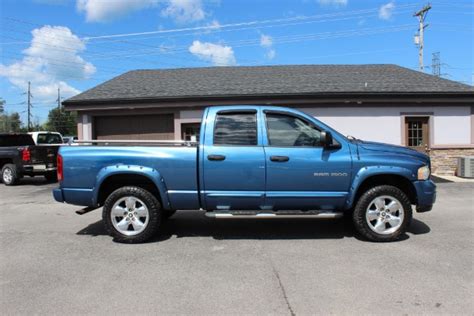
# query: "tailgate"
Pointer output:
{"type": "Point", "coordinates": [44, 154]}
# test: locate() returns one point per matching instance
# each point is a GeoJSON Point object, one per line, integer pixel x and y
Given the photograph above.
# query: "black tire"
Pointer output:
{"type": "Point", "coordinates": [168, 214]}
{"type": "Point", "coordinates": [151, 202]}
{"type": "Point", "coordinates": [11, 170]}
{"type": "Point", "coordinates": [361, 208]}
{"type": "Point", "coordinates": [51, 177]}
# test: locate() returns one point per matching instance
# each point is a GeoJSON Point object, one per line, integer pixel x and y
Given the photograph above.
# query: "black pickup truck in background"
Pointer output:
{"type": "Point", "coordinates": [19, 156]}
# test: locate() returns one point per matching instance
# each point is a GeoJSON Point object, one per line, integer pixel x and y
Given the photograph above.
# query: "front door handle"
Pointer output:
{"type": "Point", "coordinates": [216, 157]}
{"type": "Point", "coordinates": [279, 158]}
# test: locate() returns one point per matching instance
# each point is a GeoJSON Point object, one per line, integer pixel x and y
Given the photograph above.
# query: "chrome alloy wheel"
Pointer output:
{"type": "Point", "coordinates": [7, 175]}
{"type": "Point", "coordinates": [385, 215]}
{"type": "Point", "coordinates": [129, 216]}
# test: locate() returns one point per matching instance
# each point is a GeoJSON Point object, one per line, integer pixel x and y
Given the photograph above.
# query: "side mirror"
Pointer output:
{"type": "Point", "coordinates": [326, 139]}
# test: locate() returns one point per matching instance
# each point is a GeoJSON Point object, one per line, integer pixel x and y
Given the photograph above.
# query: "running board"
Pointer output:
{"type": "Point", "coordinates": [261, 215]}
{"type": "Point", "coordinates": [85, 210]}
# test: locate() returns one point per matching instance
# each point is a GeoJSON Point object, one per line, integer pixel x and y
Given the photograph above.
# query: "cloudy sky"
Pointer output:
{"type": "Point", "coordinates": [77, 44]}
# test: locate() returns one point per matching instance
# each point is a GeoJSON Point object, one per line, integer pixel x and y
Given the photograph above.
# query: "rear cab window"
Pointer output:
{"type": "Point", "coordinates": [236, 128]}
{"type": "Point", "coordinates": [7, 140]}
{"type": "Point", "coordinates": [49, 139]}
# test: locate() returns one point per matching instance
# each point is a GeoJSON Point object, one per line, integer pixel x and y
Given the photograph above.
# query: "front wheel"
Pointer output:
{"type": "Point", "coordinates": [131, 214]}
{"type": "Point", "coordinates": [383, 213]}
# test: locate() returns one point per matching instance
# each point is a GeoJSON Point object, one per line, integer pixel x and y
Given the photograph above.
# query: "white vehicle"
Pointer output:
{"type": "Point", "coordinates": [46, 138]}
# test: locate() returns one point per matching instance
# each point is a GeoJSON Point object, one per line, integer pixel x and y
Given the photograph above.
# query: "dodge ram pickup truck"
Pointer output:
{"type": "Point", "coordinates": [251, 161]}
{"type": "Point", "coordinates": [19, 156]}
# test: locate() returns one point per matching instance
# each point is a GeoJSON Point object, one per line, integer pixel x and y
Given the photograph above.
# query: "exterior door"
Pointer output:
{"type": "Point", "coordinates": [301, 174]}
{"type": "Point", "coordinates": [233, 162]}
{"type": "Point", "coordinates": [417, 133]}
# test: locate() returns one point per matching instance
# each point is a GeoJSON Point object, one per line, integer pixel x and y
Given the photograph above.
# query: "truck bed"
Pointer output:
{"type": "Point", "coordinates": [85, 165]}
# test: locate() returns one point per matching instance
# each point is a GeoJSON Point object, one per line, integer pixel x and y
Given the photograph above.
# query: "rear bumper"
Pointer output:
{"type": "Point", "coordinates": [38, 169]}
{"type": "Point", "coordinates": [58, 195]}
{"type": "Point", "coordinates": [82, 197]}
{"type": "Point", "coordinates": [426, 195]}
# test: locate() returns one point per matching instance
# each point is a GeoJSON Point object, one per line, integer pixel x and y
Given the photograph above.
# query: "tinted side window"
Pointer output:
{"type": "Point", "coordinates": [236, 129]}
{"type": "Point", "coordinates": [285, 130]}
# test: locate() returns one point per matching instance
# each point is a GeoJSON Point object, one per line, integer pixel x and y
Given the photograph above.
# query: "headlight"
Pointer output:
{"type": "Point", "coordinates": [423, 173]}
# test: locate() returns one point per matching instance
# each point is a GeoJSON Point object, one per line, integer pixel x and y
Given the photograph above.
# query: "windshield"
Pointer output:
{"type": "Point", "coordinates": [49, 139]}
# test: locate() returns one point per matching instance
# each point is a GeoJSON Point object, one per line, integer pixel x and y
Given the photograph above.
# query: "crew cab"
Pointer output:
{"type": "Point", "coordinates": [251, 161]}
{"type": "Point", "coordinates": [19, 156]}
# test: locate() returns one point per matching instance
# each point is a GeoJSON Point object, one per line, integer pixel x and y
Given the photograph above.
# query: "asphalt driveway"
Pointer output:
{"type": "Point", "coordinates": [53, 261]}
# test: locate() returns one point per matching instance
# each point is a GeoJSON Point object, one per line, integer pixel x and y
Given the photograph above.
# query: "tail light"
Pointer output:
{"type": "Point", "coordinates": [25, 154]}
{"type": "Point", "coordinates": [60, 168]}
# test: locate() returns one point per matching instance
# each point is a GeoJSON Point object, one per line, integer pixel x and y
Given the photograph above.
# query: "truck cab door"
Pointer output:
{"type": "Point", "coordinates": [301, 172]}
{"type": "Point", "coordinates": [232, 160]}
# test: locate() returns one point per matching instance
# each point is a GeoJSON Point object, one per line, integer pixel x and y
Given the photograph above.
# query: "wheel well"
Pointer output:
{"type": "Point", "coordinates": [3, 162]}
{"type": "Point", "coordinates": [114, 182]}
{"type": "Point", "coordinates": [399, 182]}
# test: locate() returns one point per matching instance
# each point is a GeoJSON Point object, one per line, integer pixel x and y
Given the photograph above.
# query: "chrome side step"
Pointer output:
{"type": "Point", "coordinates": [267, 215]}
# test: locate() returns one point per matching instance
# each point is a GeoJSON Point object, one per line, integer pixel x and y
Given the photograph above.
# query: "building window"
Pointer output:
{"type": "Point", "coordinates": [417, 132]}
{"type": "Point", "coordinates": [190, 131]}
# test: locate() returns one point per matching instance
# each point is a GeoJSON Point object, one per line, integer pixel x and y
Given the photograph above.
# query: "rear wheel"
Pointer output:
{"type": "Point", "coordinates": [131, 214]}
{"type": "Point", "coordinates": [10, 174]}
{"type": "Point", "coordinates": [383, 213]}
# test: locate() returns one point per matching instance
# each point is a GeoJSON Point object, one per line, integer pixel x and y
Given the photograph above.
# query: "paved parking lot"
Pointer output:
{"type": "Point", "coordinates": [53, 261]}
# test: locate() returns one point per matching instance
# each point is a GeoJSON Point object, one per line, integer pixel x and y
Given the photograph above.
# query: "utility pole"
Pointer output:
{"type": "Point", "coordinates": [436, 64]}
{"type": "Point", "coordinates": [59, 98]}
{"type": "Point", "coordinates": [419, 38]}
{"type": "Point", "coordinates": [29, 106]}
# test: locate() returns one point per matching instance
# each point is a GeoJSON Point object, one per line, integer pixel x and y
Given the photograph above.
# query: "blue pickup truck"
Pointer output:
{"type": "Point", "coordinates": [251, 161]}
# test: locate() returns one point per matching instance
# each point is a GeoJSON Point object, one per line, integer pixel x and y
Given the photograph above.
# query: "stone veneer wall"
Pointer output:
{"type": "Point", "coordinates": [444, 160]}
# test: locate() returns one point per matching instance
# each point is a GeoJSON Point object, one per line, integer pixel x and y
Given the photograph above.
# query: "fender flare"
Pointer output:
{"type": "Point", "coordinates": [367, 172]}
{"type": "Point", "coordinates": [150, 173]}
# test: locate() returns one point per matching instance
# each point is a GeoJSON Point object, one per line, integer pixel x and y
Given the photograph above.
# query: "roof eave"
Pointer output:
{"type": "Point", "coordinates": [399, 96]}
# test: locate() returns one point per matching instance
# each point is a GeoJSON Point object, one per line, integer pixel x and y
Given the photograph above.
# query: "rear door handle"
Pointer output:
{"type": "Point", "coordinates": [279, 158]}
{"type": "Point", "coordinates": [216, 157]}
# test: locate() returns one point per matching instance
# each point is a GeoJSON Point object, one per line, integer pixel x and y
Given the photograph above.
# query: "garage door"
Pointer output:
{"type": "Point", "coordinates": [132, 127]}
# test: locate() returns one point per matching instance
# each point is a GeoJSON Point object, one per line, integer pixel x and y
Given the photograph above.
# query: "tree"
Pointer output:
{"type": "Point", "coordinates": [10, 123]}
{"type": "Point", "coordinates": [14, 122]}
{"type": "Point", "coordinates": [2, 103]}
{"type": "Point", "coordinates": [62, 121]}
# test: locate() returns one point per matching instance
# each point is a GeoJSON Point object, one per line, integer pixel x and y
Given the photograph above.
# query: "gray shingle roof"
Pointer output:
{"type": "Point", "coordinates": [269, 81]}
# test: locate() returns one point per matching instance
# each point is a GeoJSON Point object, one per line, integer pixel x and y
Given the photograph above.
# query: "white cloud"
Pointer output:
{"type": "Point", "coordinates": [336, 3]}
{"type": "Point", "coordinates": [214, 25]}
{"type": "Point", "coordinates": [266, 41]}
{"type": "Point", "coordinates": [219, 55]}
{"type": "Point", "coordinates": [50, 60]}
{"type": "Point", "coordinates": [184, 11]}
{"type": "Point", "coordinates": [103, 11]}
{"type": "Point", "coordinates": [270, 54]}
{"type": "Point", "coordinates": [385, 11]}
